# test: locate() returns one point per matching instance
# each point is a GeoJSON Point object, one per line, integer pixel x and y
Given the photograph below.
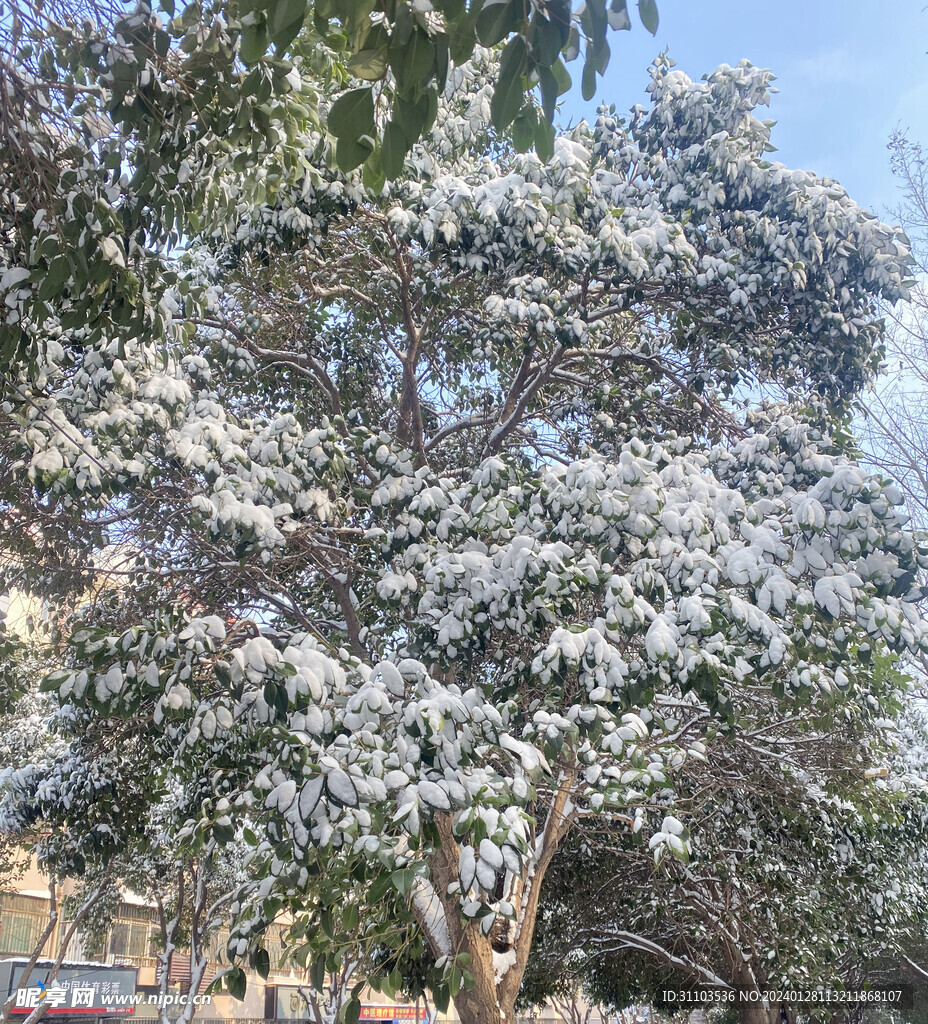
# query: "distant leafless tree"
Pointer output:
{"type": "Point", "coordinates": [895, 424]}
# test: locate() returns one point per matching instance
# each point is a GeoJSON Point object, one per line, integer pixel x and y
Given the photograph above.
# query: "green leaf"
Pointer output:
{"type": "Point", "coordinates": [369, 65]}
{"type": "Point", "coordinates": [497, 21]}
{"type": "Point", "coordinates": [544, 140]}
{"type": "Point", "coordinates": [598, 55]}
{"type": "Point", "coordinates": [442, 58]}
{"type": "Point", "coordinates": [410, 117]}
{"type": "Point", "coordinates": [647, 11]}
{"type": "Point", "coordinates": [253, 44]}
{"type": "Point", "coordinates": [54, 681]}
{"type": "Point", "coordinates": [379, 889]}
{"type": "Point", "coordinates": [372, 175]}
{"type": "Point", "coordinates": [563, 77]}
{"type": "Point", "coordinates": [617, 17]}
{"type": "Point", "coordinates": [286, 20]}
{"type": "Point", "coordinates": [402, 880]}
{"type": "Point", "coordinates": [431, 109]}
{"type": "Point", "coordinates": [262, 962]}
{"type": "Point", "coordinates": [414, 61]}
{"type": "Point", "coordinates": [351, 116]}
{"type": "Point", "coordinates": [58, 273]}
{"type": "Point", "coordinates": [191, 15]}
{"type": "Point", "coordinates": [588, 81]}
{"type": "Point", "coordinates": [462, 37]}
{"type": "Point", "coordinates": [236, 983]}
{"type": "Point", "coordinates": [546, 39]}
{"type": "Point", "coordinates": [352, 1011]}
{"type": "Point", "coordinates": [317, 973]}
{"type": "Point", "coordinates": [523, 129]}
{"type": "Point", "coordinates": [510, 91]}
{"type": "Point", "coordinates": [351, 153]}
{"type": "Point", "coordinates": [548, 83]}
{"type": "Point", "coordinates": [162, 42]}
{"type": "Point", "coordinates": [393, 149]}
{"type": "Point", "coordinates": [441, 997]}
{"type": "Point", "coordinates": [403, 24]}
{"type": "Point", "coordinates": [372, 37]}
{"type": "Point", "coordinates": [281, 701]}
{"type": "Point", "coordinates": [451, 9]}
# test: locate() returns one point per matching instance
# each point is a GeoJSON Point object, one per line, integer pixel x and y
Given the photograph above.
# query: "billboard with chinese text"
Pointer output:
{"type": "Point", "coordinates": [79, 989]}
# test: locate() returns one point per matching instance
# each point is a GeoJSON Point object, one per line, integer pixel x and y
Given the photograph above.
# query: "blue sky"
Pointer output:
{"type": "Point", "coordinates": [848, 73]}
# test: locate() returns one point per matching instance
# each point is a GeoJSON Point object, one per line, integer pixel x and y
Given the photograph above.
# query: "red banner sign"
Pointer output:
{"type": "Point", "coordinates": [393, 1013]}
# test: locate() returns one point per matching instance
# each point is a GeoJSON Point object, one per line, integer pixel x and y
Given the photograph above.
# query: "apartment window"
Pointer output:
{"type": "Point", "coordinates": [274, 943]}
{"type": "Point", "coordinates": [131, 933]}
{"type": "Point", "coordinates": [217, 942]}
{"type": "Point", "coordinates": [22, 921]}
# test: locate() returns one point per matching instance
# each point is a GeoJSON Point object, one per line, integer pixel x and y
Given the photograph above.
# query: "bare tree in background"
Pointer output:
{"type": "Point", "coordinates": [894, 430]}
{"type": "Point", "coordinates": [894, 426]}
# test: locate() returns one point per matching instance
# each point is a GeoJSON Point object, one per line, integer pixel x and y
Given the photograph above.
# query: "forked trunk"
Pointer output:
{"type": "Point", "coordinates": [492, 998]}
{"type": "Point", "coordinates": [497, 961]}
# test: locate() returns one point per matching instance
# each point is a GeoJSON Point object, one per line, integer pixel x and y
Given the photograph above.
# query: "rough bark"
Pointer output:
{"type": "Point", "coordinates": [755, 1013]}
{"type": "Point", "coordinates": [492, 998]}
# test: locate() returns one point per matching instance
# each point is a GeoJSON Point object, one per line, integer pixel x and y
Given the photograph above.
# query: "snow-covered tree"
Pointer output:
{"type": "Point", "coordinates": [794, 819]}
{"type": "Point", "coordinates": [127, 840]}
{"type": "Point", "coordinates": [429, 510]}
{"type": "Point", "coordinates": [95, 811]}
{"type": "Point", "coordinates": [27, 748]}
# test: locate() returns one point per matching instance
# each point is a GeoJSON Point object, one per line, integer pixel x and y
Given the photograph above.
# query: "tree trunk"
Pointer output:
{"type": "Point", "coordinates": [491, 1000]}
{"type": "Point", "coordinates": [168, 937]}
{"type": "Point", "coordinates": [754, 1013]}
{"type": "Point", "coordinates": [482, 1005]}
{"type": "Point", "coordinates": [487, 1002]}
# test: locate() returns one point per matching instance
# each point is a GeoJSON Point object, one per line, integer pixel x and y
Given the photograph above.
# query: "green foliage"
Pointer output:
{"type": "Point", "coordinates": [408, 53]}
